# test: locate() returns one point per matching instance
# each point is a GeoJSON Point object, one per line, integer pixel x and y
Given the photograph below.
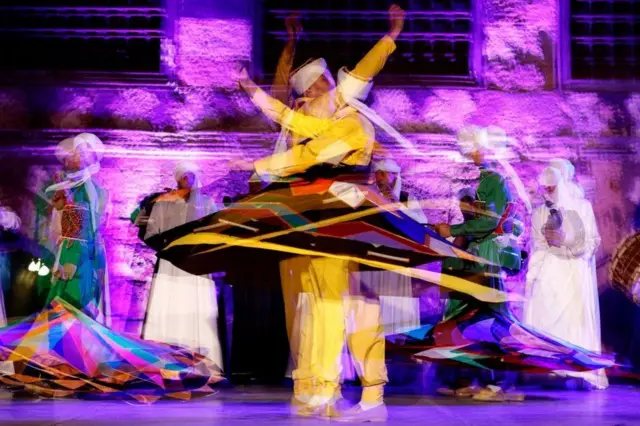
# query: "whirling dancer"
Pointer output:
{"type": "Point", "coordinates": [331, 133]}
{"type": "Point", "coordinates": [486, 335]}
{"type": "Point", "coordinates": [81, 156]}
{"type": "Point", "coordinates": [562, 285]}
{"type": "Point", "coordinates": [182, 308]}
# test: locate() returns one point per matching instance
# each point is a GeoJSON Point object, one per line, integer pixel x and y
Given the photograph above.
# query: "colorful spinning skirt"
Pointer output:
{"type": "Point", "coordinates": [325, 217]}
{"type": "Point", "coordinates": [487, 336]}
{"type": "Point", "coordinates": [62, 352]}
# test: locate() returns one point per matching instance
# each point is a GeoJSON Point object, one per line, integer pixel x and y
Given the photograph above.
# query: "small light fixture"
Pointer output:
{"type": "Point", "coordinates": [34, 266]}
{"type": "Point", "coordinates": [44, 271]}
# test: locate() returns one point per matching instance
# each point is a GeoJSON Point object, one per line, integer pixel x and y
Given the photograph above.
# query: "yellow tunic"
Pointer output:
{"type": "Point", "coordinates": [345, 138]}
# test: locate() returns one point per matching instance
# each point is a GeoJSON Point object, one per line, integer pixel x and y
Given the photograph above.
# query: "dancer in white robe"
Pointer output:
{"type": "Point", "coordinates": [183, 308]}
{"type": "Point", "coordinates": [561, 282]}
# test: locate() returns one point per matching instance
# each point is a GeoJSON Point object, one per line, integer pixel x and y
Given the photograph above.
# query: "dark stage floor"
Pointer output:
{"type": "Point", "coordinates": [617, 406]}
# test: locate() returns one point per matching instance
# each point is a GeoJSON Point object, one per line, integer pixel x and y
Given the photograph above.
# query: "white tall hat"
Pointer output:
{"type": "Point", "coordinates": [92, 141]}
{"type": "Point", "coordinates": [550, 176]}
{"type": "Point", "coordinates": [307, 74]}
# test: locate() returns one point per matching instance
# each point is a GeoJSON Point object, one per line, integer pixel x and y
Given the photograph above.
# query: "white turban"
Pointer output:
{"type": "Point", "coordinates": [92, 140]}
{"type": "Point", "coordinates": [307, 74]}
{"type": "Point", "coordinates": [490, 138]}
{"type": "Point", "coordinates": [390, 166]}
{"type": "Point", "coordinates": [550, 176]}
{"type": "Point", "coordinates": [352, 87]}
{"type": "Point", "coordinates": [565, 168]}
{"type": "Point", "coordinates": [567, 171]}
{"type": "Point", "coordinates": [64, 149]}
{"type": "Point", "coordinates": [186, 167]}
{"type": "Point", "coordinates": [68, 146]}
{"type": "Point", "coordinates": [494, 140]}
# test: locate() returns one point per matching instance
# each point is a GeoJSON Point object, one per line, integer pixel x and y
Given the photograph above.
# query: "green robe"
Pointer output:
{"type": "Point", "coordinates": [89, 256]}
{"type": "Point", "coordinates": [78, 291]}
{"type": "Point", "coordinates": [96, 280]}
{"type": "Point", "coordinates": [494, 192]}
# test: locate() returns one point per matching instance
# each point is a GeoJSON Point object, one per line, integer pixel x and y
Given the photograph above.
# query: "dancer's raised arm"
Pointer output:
{"type": "Point", "coordinates": [376, 58]}
{"type": "Point", "coordinates": [281, 87]}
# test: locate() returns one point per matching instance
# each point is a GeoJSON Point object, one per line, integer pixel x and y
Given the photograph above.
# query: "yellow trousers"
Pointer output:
{"type": "Point", "coordinates": [321, 298]}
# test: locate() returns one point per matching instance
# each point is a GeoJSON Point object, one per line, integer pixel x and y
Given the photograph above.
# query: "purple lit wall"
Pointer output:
{"type": "Point", "coordinates": [199, 115]}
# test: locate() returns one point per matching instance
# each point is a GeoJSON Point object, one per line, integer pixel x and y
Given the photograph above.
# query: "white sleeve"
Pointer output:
{"type": "Point", "coordinates": [154, 225]}
{"type": "Point", "coordinates": [539, 242]}
{"type": "Point", "coordinates": [587, 248]}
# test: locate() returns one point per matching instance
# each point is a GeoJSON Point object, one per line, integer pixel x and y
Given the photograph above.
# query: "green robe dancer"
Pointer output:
{"type": "Point", "coordinates": [493, 196]}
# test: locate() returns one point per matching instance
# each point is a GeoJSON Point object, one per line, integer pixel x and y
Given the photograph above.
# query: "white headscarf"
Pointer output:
{"type": "Point", "coordinates": [551, 176]}
{"type": "Point", "coordinates": [196, 207]}
{"type": "Point", "coordinates": [186, 167]}
{"type": "Point", "coordinates": [64, 149]}
{"type": "Point", "coordinates": [304, 77]}
{"type": "Point", "coordinates": [82, 177]}
{"type": "Point", "coordinates": [495, 142]}
{"type": "Point", "coordinates": [568, 171]}
{"type": "Point", "coordinates": [390, 166]}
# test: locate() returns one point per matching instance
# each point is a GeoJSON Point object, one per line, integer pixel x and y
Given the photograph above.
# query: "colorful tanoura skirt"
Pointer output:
{"type": "Point", "coordinates": [61, 352]}
{"type": "Point", "coordinates": [487, 336]}
{"type": "Point", "coordinates": [328, 218]}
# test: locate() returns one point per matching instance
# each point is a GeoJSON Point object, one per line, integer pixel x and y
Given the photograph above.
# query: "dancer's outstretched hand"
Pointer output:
{"type": "Point", "coordinates": [294, 25]}
{"type": "Point", "coordinates": [396, 21]}
{"type": "Point", "coordinates": [244, 81]}
{"type": "Point", "coordinates": [241, 74]}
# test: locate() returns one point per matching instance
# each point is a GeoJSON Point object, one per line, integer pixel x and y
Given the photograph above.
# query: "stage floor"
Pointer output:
{"type": "Point", "coordinates": [617, 406]}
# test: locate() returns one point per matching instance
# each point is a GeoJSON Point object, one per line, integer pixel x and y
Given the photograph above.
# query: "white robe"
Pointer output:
{"type": "Point", "coordinates": [562, 287]}
{"type": "Point", "coordinates": [399, 309]}
{"type": "Point", "coordinates": [182, 308]}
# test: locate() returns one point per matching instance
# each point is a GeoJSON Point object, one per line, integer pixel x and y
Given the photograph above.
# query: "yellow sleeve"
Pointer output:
{"type": "Point", "coordinates": [374, 61]}
{"type": "Point", "coordinates": [304, 125]}
{"type": "Point", "coordinates": [281, 88]}
{"type": "Point", "coordinates": [346, 136]}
